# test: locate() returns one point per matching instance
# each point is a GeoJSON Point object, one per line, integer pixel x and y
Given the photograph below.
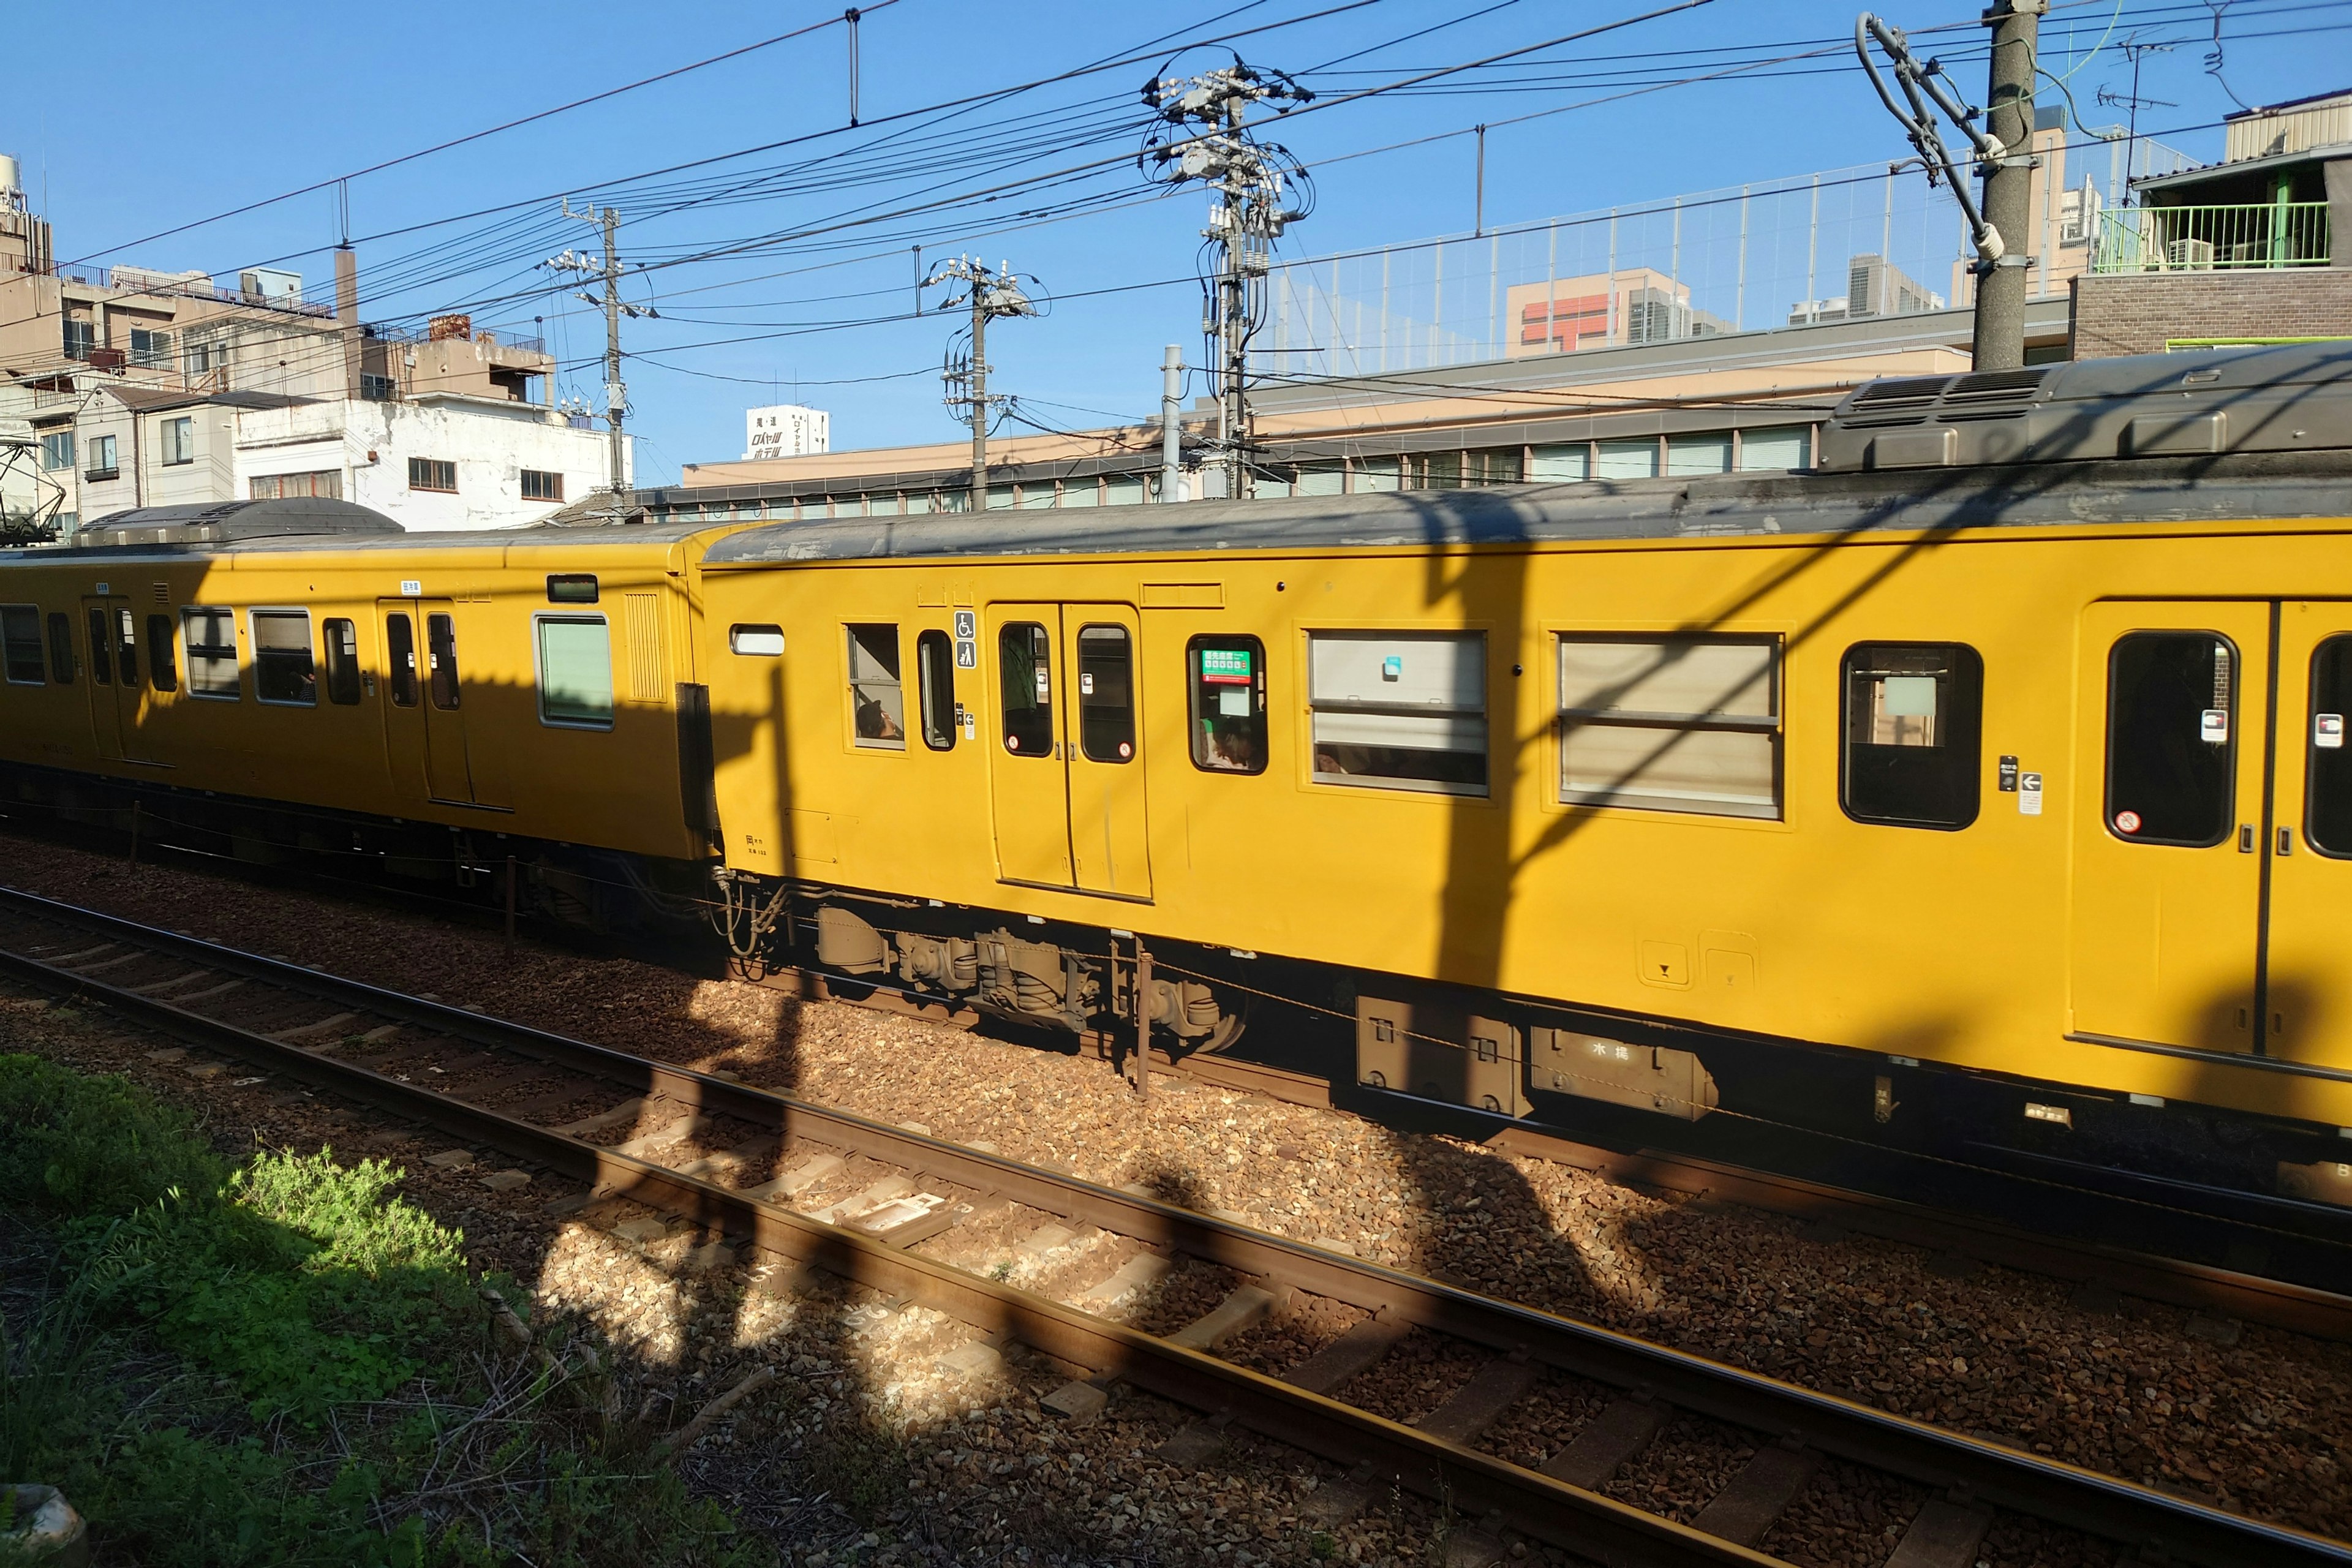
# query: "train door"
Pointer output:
{"type": "Point", "coordinates": [2169, 824]}
{"type": "Point", "coordinates": [424, 725]}
{"type": "Point", "coordinates": [1067, 768]}
{"type": "Point", "coordinates": [113, 670]}
{"type": "Point", "coordinates": [2306, 1002]}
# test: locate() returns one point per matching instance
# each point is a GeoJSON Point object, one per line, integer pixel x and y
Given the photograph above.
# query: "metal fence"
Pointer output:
{"type": "Point", "coordinates": [2202, 239]}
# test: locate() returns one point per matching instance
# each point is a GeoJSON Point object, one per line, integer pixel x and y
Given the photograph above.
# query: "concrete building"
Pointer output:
{"type": "Point", "coordinates": [785, 430]}
{"type": "Point", "coordinates": [146, 387]}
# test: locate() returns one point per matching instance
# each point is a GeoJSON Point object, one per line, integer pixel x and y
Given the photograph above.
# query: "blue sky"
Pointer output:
{"type": "Point", "coordinates": [772, 272]}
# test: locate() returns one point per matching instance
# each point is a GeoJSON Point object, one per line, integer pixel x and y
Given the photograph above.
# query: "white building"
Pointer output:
{"type": "Point", "coordinates": [786, 430]}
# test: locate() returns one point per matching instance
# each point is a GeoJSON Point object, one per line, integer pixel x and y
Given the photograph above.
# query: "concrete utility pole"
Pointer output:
{"type": "Point", "coordinates": [616, 391]}
{"type": "Point", "coordinates": [1249, 179]}
{"type": "Point", "coordinates": [2008, 179]}
{"type": "Point", "coordinates": [1172, 423]}
{"type": "Point", "coordinates": [991, 292]}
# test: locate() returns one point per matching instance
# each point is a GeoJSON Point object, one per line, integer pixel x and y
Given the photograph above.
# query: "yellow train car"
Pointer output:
{"type": "Point", "coordinates": [1993, 773]}
{"type": "Point", "coordinates": [434, 703]}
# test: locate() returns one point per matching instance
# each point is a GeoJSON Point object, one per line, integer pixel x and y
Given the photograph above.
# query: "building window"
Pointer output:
{"type": "Point", "coordinates": [379, 388]}
{"type": "Point", "coordinates": [1400, 711]}
{"type": "Point", "coordinates": [1628, 460]}
{"type": "Point", "coordinates": [432, 474]}
{"type": "Point", "coordinates": [1766, 451]}
{"type": "Point", "coordinates": [575, 671]}
{"type": "Point", "coordinates": [57, 450]}
{"type": "Point", "coordinates": [1227, 678]}
{"type": "Point", "coordinates": [1688, 456]}
{"type": "Point", "coordinates": [1494, 466]}
{"type": "Point", "coordinates": [284, 670]}
{"type": "Point", "coordinates": [1558, 465]}
{"type": "Point", "coordinates": [206, 358]}
{"type": "Point", "coordinates": [328, 482]}
{"type": "Point", "coordinates": [1670, 724]}
{"type": "Point", "coordinates": [211, 637]}
{"type": "Point", "coordinates": [935, 666]}
{"type": "Point", "coordinates": [20, 636]}
{"type": "Point", "coordinates": [1432, 470]}
{"type": "Point", "coordinates": [179, 441]}
{"type": "Point", "coordinates": [1124, 490]}
{"type": "Point", "coordinates": [150, 349]}
{"type": "Point", "coordinates": [102, 458]}
{"type": "Point", "coordinates": [538, 485]}
{"type": "Point", "coordinates": [80, 338]}
{"type": "Point", "coordinates": [1912, 719]}
{"type": "Point", "coordinates": [877, 701]}
{"type": "Point", "coordinates": [1322, 478]}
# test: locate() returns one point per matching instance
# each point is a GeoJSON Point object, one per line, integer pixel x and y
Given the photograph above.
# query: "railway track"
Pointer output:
{"type": "Point", "coordinates": [896, 1211]}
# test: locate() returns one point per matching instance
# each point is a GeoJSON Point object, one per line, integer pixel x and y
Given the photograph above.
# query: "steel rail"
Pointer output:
{"type": "Point", "coordinates": [2176, 1528]}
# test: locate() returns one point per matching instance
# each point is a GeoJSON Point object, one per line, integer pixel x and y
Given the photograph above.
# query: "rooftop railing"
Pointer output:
{"type": "Point", "coordinates": [2210, 238]}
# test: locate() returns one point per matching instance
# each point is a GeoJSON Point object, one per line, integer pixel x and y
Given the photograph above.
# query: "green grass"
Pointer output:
{"type": "Point", "coordinates": [208, 1370]}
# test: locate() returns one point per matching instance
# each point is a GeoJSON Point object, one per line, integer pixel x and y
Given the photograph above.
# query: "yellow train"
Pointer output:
{"type": "Point", "coordinates": [1989, 777]}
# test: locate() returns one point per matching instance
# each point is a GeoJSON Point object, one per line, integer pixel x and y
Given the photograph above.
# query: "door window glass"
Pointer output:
{"type": "Point", "coordinates": [342, 640]}
{"type": "Point", "coordinates": [126, 645]}
{"type": "Point", "coordinates": [441, 644]}
{"type": "Point", "coordinates": [877, 701]}
{"type": "Point", "coordinates": [1106, 694]}
{"type": "Point", "coordinates": [400, 643]}
{"type": "Point", "coordinates": [1026, 660]}
{"type": "Point", "coordinates": [211, 637]}
{"type": "Point", "coordinates": [2329, 821]}
{"type": "Point", "coordinates": [160, 668]}
{"type": "Point", "coordinates": [575, 671]}
{"type": "Point", "coordinates": [283, 669]}
{"type": "Point", "coordinates": [1911, 719]}
{"type": "Point", "coordinates": [20, 636]}
{"type": "Point", "coordinates": [1670, 724]}
{"type": "Point", "coordinates": [935, 668]}
{"type": "Point", "coordinates": [61, 648]}
{"type": "Point", "coordinates": [1227, 677]}
{"type": "Point", "coordinates": [101, 652]}
{"type": "Point", "coordinates": [1399, 709]}
{"type": "Point", "coordinates": [2171, 738]}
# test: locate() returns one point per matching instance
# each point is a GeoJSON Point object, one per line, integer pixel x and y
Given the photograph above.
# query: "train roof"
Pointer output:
{"type": "Point", "coordinates": [2223, 437]}
{"type": "Point", "coordinates": [310, 524]}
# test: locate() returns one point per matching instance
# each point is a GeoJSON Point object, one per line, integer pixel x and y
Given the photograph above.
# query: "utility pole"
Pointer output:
{"type": "Point", "coordinates": [2008, 180]}
{"type": "Point", "coordinates": [616, 391]}
{"type": "Point", "coordinates": [989, 292]}
{"type": "Point", "coordinates": [1201, 137]}
{"type": "Point", "coordinates": [1172, 423]}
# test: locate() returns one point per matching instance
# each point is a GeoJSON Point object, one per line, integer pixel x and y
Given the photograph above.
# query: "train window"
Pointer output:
{"type": "Point", "coordinates": [400, 647]}
{"type": "Point", "coordinates": [1399, 709]}
{"type": "Point", "coordinates": [285, 672]}
{"type": "Point", "coordinates": [1227, 678]}
{"type": "Point", "coordinates": [761, 642]}
{"type": "Point", "coordinates": [1106, 694]}
{"type": "Point", "coordinates": [2171, 739]}
{"type": "Point", "coordinates": [572, 588]}
{"type": "Point", "coordinates": [935, 668]}
{"type": "Point", "coordinates": [160, 671]}
{"type": "Point", "coordinates": [20, 637]}
{"type": "Point", "coordinates": [342, 640]}
{"type": "Point", "coordinates": [211, 637]}
{"type": "Point", "coordinates": [1025, 656]}
{"type": "Point", "coordinates": [1670, 724]}
{"type": "Point", "coordinates": [877, 702]}
{"type": "Point", "coordinates": [2328, 819]}
{"type": "Point", "coordinates": [1912, 718]}
{"type": "Point", "coordinates": [441, 661]}
{"type": "Point", "coordinates": [101, 652]}
{"type": "Point", "coordinates": [126, 644]}
{"type": "Point", "coordinates": [61, 648]}
{"type": "Point", "coordinates": [575, 671]}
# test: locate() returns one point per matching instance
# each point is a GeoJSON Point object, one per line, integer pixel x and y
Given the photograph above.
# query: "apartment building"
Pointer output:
{"type": "Point", "coordinates": [146, 387]}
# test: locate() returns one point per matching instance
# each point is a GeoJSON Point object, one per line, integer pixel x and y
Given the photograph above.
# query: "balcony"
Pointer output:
{"type": "Point", "coordinates": [2259, 236]}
